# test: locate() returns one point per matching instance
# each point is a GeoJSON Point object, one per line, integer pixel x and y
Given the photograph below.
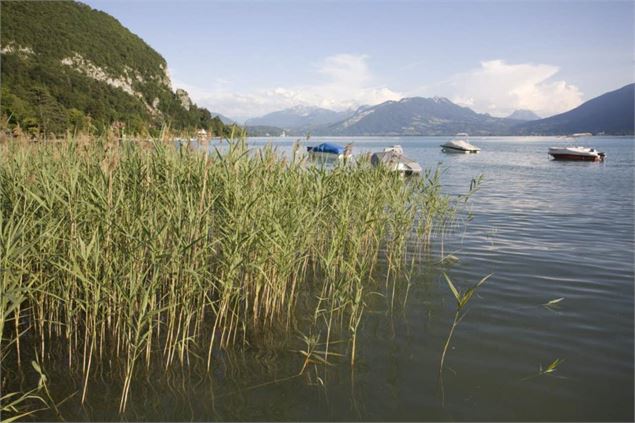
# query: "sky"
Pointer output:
{"type": "Point", "coordinates": [248, 58]}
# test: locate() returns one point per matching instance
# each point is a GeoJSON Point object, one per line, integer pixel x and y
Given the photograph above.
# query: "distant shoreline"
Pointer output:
{"type": "Point", "coordinates": [295, 137]}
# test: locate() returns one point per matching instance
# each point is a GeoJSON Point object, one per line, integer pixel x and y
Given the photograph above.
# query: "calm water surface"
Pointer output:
{"type": "Point", "coordinates": [545, 230]}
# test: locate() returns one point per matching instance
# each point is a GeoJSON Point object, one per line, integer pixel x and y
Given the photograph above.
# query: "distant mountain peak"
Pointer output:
{"type": "Point", "coordinates": [300, 118]}
{"type": "Point", "coordinates": [523, 114]}
{"type": "Point", "coordinates": [437, 99]}
{"type": "Point", "coordinates": [302, 108]}
{"type": "Point", "coordinates": [416, 116]}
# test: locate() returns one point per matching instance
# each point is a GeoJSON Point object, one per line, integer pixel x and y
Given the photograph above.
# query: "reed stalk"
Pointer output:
{"type": "Point", "coordinates": [150, 253]}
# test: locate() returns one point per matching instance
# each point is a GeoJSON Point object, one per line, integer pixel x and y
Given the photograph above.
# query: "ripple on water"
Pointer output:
{"type": "Point", "coordinates": [545, 230]}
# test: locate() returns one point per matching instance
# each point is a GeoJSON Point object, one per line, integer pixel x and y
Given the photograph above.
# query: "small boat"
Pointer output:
{"type": "Point", "coordinates": [330, 151]}
{"type": "Point", "coordinates": [576, 153]}
{"type": "Point", "coordinates": [394, 159]}
{"type": "Point", "coordinates": [459, 145]}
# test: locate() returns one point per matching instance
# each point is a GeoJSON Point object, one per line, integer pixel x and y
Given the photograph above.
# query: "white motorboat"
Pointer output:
{"type": "Point", "coordinates": [576, 153]}
{"type": "Point", "coordinates": [394, 159]}
{"type": "Point", "coordinates": [459, 144]}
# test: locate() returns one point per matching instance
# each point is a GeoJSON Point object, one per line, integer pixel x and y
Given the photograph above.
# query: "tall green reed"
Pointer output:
{"type": "Point", "coordinates": [147, 253]}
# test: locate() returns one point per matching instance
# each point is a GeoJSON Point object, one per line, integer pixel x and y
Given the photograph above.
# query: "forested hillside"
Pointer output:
{"type": "Point", "coordinates": [66, 66]}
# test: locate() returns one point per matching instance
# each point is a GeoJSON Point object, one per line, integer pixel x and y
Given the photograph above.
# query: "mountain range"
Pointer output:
{"type": "Point", "coordinates": [417, 116]}
{"type": "Point", "coordinates": [68, 67]}
{"type": "Point", "coordinates": [409, 116]}
{"type": "Point", "coordinates": [610, 113]}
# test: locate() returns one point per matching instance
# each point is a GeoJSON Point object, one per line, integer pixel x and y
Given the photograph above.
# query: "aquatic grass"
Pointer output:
{"type": "Point", "coordinates": [553, 305]}
{"type": "Point", "coordinates": [15, 405]}
{"type": "Point", "coordinates": [551, 367]}
{"type": "Point", "coordinates": [124, 254]}
{"type": "Point", "coordinates": [553, 302]}
{"type": "Point", "coordinates": [462, 299]}
{"type": "Point", "coordinates": [548, 370]}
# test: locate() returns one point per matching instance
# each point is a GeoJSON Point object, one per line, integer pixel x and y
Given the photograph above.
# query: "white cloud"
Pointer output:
{"type": "Point", "coordinates": [346, 81]}
{"type": "Point", "coordinates": [343, 81]}
{"type": "Point", "coordinates": [499, 88]}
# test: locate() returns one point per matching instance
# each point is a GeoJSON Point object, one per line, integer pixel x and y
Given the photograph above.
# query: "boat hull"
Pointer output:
{"type": "Point", "coordinates": [396, 162]}
{"type": "Point", "coordinates": [446, 149]}
{"type": "Point", "coordinates": [328, 151]}
{"type": "Point", "coordinates": [320, 155]}
{"type": "Point", "coordinates": [459, 146]}
{"type": "Point", "coordinates": [577, 157]}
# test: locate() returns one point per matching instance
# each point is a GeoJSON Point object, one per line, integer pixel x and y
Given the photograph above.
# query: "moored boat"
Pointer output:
{"type": "Point", "coordinates": [394, 159]}
{"type": "Point", "coordinates": [330, 151]}
{"type": "Point", "coordinates": [459, 144]}
{"type": "Point", "coordinates": [576, 153]}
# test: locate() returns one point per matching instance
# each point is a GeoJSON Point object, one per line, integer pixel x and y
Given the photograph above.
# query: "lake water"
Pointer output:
{"type": "Point", "coordinates": [545, 229]}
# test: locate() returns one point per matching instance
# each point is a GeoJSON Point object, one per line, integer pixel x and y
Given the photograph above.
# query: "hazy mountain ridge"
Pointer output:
{"type": "Point", "coordinates": [418, 116]}
{"type": "Point", "coordinates": [299, 119]}
{"type": "Point", "coordinates": [611, 113]}
{"type": "Point", "coordinates": [264, 131]}
{"type": "Point", "coordinates": [223, 118]}
{"type": "Point", "coordinates": [523, 114]}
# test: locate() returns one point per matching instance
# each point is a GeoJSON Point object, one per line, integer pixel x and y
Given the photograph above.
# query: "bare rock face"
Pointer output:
{"type": "Point", "coordinates": [184, 98]}
{"type": "Point", "coordinates": [91, 70]}
{"type": "Point", "coordinates": [165, 77]}
{"type": "Point", "coordinates": [13, 48]}
{"type": "Point", "coordinates": [155, 103]}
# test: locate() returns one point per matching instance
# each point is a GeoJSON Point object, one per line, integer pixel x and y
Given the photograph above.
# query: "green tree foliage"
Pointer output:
{"type": "Point", "coordinates": [45, 96]}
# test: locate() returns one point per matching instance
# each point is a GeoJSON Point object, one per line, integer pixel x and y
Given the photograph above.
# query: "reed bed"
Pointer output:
{"type": "Point", "coordinates": [153, 254]}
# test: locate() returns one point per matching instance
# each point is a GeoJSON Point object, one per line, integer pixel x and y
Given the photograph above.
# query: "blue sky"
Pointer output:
{"type": "Point", "coordinates": [245, 59]}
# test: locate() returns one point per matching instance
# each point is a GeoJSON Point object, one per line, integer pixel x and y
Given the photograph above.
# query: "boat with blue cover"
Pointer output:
{"type": "Point", "coordinates": [330, 151]}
